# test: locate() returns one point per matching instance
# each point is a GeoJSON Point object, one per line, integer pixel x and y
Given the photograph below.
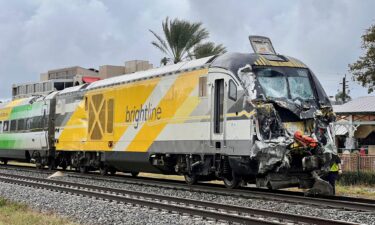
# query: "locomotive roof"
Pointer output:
{"type": "Point", "coordinates": [170, 69]}
{"type": "Point", "coordinates": [230, 61]}
{"type": "Point", "coordinates": [16, 102]}
{"type": "Point", "coordinates": [234, 61]}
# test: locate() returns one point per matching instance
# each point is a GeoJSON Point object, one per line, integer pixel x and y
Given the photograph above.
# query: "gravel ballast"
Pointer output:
{"type": "Point", "coordinates": [86, 210]}
{"type": "Point", "coordinates": [92, 211]}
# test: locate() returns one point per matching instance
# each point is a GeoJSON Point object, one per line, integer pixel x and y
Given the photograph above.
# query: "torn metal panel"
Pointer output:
{"type": "Point", "coordinates": [269, 122]}
{"type": "Point", "coordinates": [248, 80]}
{"type": "Point", "coordinates": [271, 149]}
{"type": "Point", "coordinates": [271, 155]}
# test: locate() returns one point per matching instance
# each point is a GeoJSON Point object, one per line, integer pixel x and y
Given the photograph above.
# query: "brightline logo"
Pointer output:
{"type": "Point", "coordinates": [142, 114]}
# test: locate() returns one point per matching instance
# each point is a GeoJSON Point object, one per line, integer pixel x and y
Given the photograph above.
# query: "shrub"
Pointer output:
{"type": "Point", "coordinates": [357, 178]}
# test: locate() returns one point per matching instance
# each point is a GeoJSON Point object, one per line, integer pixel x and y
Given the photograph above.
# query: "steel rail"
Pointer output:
{"type": "Point", "coordinates": [234, 211]}
{"type": "Point", "coordinates": [340, 202]}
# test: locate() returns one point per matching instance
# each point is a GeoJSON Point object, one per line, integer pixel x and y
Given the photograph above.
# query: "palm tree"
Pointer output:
{"type": "Point", "coordinates": [180, 38]}
{"type": "Point", "coordinates": [164, 61]}
{"type": "Point", "coordinates": [207, 49]}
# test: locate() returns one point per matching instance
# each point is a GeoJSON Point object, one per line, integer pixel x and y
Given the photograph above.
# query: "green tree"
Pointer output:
{"type": "Point", "coordinates": [340, 95]}
{"type": "Point", "coordinates": [207, 49]}
{"type": "Point", "coordinates": [180, 38]}
{"type": "Point", "coordinates": [364, 69]}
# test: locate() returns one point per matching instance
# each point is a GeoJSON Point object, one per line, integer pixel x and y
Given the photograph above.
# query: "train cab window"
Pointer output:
{"type": "Point", "coordinates": [202, 86]}
{"type": "Point", "coordinates": [232, 94]}
{"type": "Point", "coordinates": [1, 127]}
{"type": "Point", "coordinates": [5, 126]}
{"type": "Point", "coordinates": [13, 125]}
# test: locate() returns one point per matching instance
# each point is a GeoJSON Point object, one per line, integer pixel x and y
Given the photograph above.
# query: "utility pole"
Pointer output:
{"type": "Point", "coordinates": [344, 86]}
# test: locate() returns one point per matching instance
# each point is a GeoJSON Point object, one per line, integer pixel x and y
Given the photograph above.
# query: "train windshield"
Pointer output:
{"type": "Point", "coordinates": [285, 82]}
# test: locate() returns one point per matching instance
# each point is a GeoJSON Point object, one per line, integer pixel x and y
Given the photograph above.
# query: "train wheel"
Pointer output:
{"type": "Point", "coordinates": [191, 179]}
{"type": "Point", "coordinates": [39, 166]}
{"type": "Point", "coordinates": [112, 171]}
{"type": "Point", "coordinates": [134, 174]}
{"type": "Point", "coordinates": [231, 181]}
{"type": "Point", "coordinates": [83, 169]}
{"type": "Point", "coordinates": [63, 165]}
{"type": "Point", "coordinates": [103, 170]}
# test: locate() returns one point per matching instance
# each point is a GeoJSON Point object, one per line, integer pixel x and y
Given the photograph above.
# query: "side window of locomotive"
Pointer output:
{"type": "Point", "coordinates": [13, 125]}
{"type": "Point", "coordinates": [6, 126]}
{"type": "Point", "coordinates": [202, 86]}
{"type": "Point", "coordinates": [1, 127]}
{"type": "Point", "coordinates": [232, 94]}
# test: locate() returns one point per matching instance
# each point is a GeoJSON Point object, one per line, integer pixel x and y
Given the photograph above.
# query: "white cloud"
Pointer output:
{"type": "Point", "coordinates": [40, 35]}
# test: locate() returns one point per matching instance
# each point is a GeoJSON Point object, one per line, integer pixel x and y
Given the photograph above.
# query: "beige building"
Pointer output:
{"type": "Point", "coordinates": [68, 73]}
{"type": "Point", "coordinates": [59, 79]}
{"type": "Point", "coordinates": [355, 124]}
{"type": "Point", "coordinates": [107, 71]}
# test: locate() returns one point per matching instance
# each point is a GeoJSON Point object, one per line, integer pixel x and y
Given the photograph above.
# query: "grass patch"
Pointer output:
{"type": "Point", "coordinates": [18, 214]}
{"type": "Point", "coordinates": [359, 191]}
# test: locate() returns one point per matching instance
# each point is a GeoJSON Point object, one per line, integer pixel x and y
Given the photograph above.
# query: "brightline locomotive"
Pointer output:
{"type": "Point", "coordinates": [258, 118]}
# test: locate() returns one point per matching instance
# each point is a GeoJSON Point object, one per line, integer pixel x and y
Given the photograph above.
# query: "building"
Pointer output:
{"type": "Point", "coordinates": [108, 71]}
{"type": "Point", "coordinates": [355, 124]}
{"type": "Point", "coordinates": [59, 79]}
{"type": "Point", "coordinates": [54, 80]}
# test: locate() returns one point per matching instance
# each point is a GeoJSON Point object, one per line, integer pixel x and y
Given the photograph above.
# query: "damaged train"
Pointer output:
{"type": "Point", "coordinates": [260, 118]}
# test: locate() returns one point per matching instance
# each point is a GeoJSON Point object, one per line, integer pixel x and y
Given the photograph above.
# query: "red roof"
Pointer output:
{"type": "Point", "coordinates": [90, 79]}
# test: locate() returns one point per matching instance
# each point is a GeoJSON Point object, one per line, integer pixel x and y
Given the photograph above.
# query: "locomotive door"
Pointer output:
{"type": "Point", "coordinates": [218, 110]}
{"type": "Point", "coordinates": [45, 126]}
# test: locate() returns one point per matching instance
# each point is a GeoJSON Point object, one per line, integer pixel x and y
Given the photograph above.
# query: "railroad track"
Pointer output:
{"type": "Point", "coordinates": [338, 202]}
{"type": "Point", "coordinates": [204, 209]}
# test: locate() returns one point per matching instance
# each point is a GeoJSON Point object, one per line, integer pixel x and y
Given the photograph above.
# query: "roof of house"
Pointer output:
{"type": "Point", "coordinates": [358, 105]}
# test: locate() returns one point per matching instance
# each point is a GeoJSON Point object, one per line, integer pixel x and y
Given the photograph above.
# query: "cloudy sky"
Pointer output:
{"type": "Point", "coordinates": [37, 35]}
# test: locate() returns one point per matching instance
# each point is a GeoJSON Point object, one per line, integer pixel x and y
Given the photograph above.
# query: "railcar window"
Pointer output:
{"type": "Point", "coordinates": [13, 125]}
{"type": "Point", "coordinates": [232, 90]}
{"type": "Point", "coordinates": [29, 122]}
{"type": "Point", "coordinates": [36, 123]}
{"type": "Point", "coordinates": [21, 125]}
{"type": "Point", "coordinates": [1, 127]}
{"type": "Point", "coordinates": [202, 86]}
{"type": "Point", "coordinates": [6, 126]}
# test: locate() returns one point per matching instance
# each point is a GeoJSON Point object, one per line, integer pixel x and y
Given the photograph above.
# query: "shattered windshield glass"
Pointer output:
{"type": "Point", "coordinates": [285, 82]}
{"type": "Point", "coordinates": [273, 83]}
